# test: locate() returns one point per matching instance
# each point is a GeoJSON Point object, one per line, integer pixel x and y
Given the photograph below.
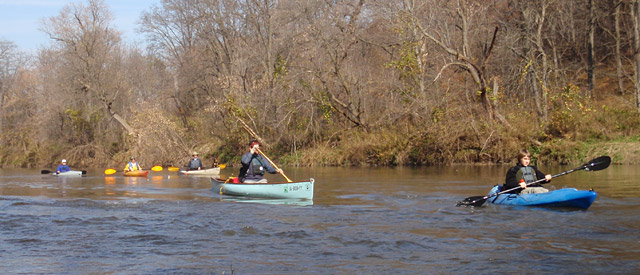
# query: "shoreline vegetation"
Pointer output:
{"type": "Point", "coordinates": [325, 83]}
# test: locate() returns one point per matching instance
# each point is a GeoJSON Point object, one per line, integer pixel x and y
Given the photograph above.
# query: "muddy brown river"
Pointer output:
{"type": "Point", "coordinates": [361, 221]}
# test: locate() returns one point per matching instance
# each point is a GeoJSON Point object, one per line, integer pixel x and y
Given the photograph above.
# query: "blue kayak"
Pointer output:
{"type": "Point", "coordinates": [566, 197]}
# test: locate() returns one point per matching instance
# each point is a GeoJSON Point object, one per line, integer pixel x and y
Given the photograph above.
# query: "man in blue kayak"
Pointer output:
{"type": "Point", "coordinates": [523, 173]}
{"type": "Point", "coordinates": [63, 167]}
{"type": "Point", "coordinates": [254, 165]}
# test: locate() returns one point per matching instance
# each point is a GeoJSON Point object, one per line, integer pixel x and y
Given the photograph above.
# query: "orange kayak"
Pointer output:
{"type": "Point", "coordinates": [138, 173]}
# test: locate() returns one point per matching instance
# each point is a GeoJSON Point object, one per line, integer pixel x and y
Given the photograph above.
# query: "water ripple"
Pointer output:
{"type": "Point", "coordinates": [358, 223]}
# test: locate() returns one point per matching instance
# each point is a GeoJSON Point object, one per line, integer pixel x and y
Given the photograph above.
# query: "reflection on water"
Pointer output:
{"type": "Point", "coordinates": [361, 221]}
{"type": "Point", "coordinates": [298, 202]}
{"type": "Point", "coordinates": [109, 180]}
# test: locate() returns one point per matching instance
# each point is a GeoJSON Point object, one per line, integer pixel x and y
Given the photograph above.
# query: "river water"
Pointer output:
{"type": "Point", "coordinates": [361, 221]}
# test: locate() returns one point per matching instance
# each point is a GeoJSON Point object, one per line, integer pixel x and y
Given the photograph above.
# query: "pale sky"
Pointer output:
{"type": "Point", "coordinates": [20, 19]}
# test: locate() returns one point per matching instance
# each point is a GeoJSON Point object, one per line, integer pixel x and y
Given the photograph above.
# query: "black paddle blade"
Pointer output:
{"type": "Point", "coordinates": [597, 164]}
{"type": "Point", "coordinates": [45, 172]}
{"type": "Point", "coordinates": [472, 201]}
{"type": "Point", "coordinates": [84, 172]}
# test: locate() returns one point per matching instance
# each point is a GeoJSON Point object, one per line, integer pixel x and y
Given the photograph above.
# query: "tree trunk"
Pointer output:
{"type": "Point", "coordinates": [619, 69]}
{"type": "Point", "coordinates": [497, 114]}
{"type": "Point", "coordinates": [540, 91]}
{"type": "Point", "coordinates": [475, 67]}
{"type": "Point", "coordinates": [590, 50]}
{"type": "Point", "coordinates": [537, 98]}
{"type": "Point", "coordinates": [122, 122]}
{"type": "Point", "coordinates": [183, 116]}
{"type": "Point", "coordinates": [2, 96]}
{"type": "Point", "coordinates": [635, 12]}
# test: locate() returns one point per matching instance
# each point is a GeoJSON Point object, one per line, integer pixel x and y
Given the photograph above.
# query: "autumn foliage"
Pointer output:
{"type": "Point", "coordinates": [355, 82]}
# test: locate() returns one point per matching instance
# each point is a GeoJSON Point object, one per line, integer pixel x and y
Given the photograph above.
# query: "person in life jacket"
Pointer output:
{"type": "Point", "coordinates": [523, 173]}
{"type": "Point", "coordinates": [255, 165]}
{"type": "Point", "coordinates": [195, 163]}
{"type": "Point", "coordinates": [63, 167]}
{"type": "Point", "coordinates": [132, 165]}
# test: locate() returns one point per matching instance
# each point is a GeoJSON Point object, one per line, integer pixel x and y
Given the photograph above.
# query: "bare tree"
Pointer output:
{"type": "Point", "coordinates": [90, 45]}
{"type": "Point", "coordinates": [635, 15]}
{"type": "Point", "coordinates": [198, 40]}
{"type": "Point", "coordinates": [461, 51]}
{"type": "Point", "coordinates": [591, 47]}
{"type": "Point", "coordinates": [535, 15]}
{"type": "Point", "coordinates": [9, 69]}
{"type": "Point", "coordinates": [544, 35]}
{"type": "Point", "coordinates": [618, 40]}
{"type": "Point", "coordinates": [335, 40]}
{"type": "Point", "coordinates": [17, 107]}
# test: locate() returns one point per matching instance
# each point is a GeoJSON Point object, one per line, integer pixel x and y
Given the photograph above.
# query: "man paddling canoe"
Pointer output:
{"type": "Point", "coordinates": [194, 162]}
{"type": "Point", "coordinates": [254, 165]}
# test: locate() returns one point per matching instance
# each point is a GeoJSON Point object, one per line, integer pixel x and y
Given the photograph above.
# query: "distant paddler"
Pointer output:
{"type": "Point", "coordinates": [195, 163]}
{"type": "Point", "coordinates": [64, 170]}
{"type": "Point", "coordinates": [132, 165]}
{"type": "Point", "coordinates": [63, 167]}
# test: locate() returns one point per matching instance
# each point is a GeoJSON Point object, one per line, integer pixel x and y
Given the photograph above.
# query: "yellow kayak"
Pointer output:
{"type": "Point", "coordinates": [138, 173]}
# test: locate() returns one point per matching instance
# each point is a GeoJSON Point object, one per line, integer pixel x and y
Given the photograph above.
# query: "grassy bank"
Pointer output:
{"type": "Point", "coordinates": [622, 151]}
{"type": "Point", "coordinates": [377, 153]}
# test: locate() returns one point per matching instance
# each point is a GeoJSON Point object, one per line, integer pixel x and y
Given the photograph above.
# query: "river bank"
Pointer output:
{"type": "Point", "coordinates": [624, 151]}
{"type": "Point", "coordinates": [378, 152]}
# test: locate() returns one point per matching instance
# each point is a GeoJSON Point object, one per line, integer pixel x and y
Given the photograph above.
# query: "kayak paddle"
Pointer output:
{"type": "Point", "coordinates": [49, 172]}
{"type": "Point", "coordinates": [252, 133]}
{"type": "Point", "coordinates": [273, 164]}
{"type": "Point", "coordinates": [593, 165]}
